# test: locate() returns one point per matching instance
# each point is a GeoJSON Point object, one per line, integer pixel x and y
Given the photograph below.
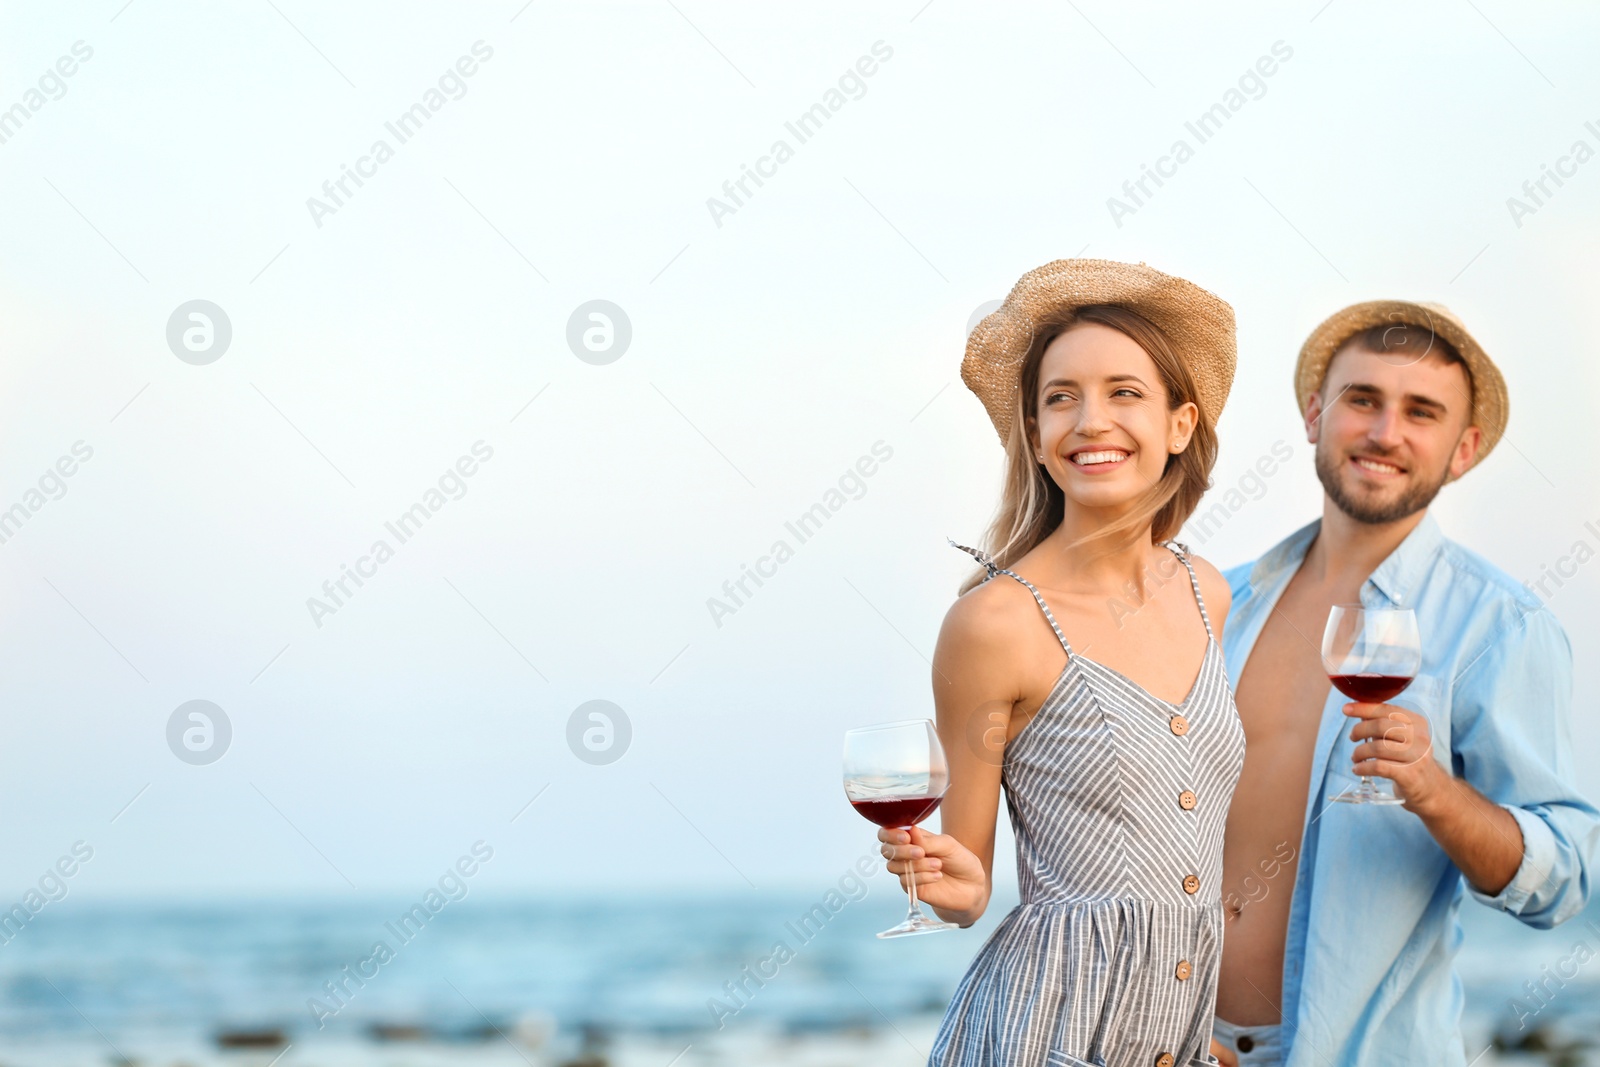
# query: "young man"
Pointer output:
{"type": "Point", "coordinates": [1342, 917]}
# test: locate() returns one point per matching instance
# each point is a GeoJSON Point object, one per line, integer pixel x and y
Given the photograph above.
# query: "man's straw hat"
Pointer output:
{"type": "Point", "coordinates": [1490, 404]}
{"type": "Point", "coordinates": [1199, 324]}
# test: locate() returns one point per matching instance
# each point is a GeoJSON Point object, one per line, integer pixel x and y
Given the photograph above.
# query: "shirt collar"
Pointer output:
{"type": "Point", "coordinates": [1285, 557]}
{"type": "Point", "coordinates": [1395, 577]}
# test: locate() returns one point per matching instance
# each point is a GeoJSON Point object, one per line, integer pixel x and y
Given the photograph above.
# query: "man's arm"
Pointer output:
{"type": "Point", "coordinates": [1506, 809]}
{"type": "Point", "coordinates": [1480, 837]}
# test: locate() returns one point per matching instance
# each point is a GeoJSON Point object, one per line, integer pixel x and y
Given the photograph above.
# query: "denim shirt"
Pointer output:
{"type": "Point", "coordinates": [1368, 975]}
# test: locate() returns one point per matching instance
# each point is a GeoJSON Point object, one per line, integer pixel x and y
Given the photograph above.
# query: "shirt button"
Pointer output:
{"type": "Point", "coordinates": [1184, 970]}
{"type": "Point", "coordinates": [1180, 725]}
{"type": "Point", "coordinates": [1191, 885]}
{"type": "Point", "coordinates": [1187, 800]}
{"type": "Point", "coordinates": [1164, 1060]}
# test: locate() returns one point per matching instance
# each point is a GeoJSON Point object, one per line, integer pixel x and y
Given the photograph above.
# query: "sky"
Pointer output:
{"type": "Point", "coordinates": [422, 343]}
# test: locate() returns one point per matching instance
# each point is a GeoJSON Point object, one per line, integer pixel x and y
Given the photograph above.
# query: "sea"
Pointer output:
{"type": "Point", "coordinates": [673, 979]}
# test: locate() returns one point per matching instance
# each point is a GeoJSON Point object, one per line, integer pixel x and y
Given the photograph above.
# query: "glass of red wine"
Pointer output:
{"type": "Point", "coordinates": [1371, 655]}
{"type": "Point", "coordinates": [895, 774]}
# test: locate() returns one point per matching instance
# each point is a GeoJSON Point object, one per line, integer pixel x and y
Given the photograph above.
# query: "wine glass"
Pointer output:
{"type": "Point", "coordinates": [895, 774]}
{"type": "Point", "coordinates": [1371, 655]}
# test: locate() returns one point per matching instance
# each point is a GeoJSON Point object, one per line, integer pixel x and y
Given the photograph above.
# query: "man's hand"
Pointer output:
{"type": "Point", "coordinates": [1481, 837]}
{"type": "Point", "coordinates": [1397, 745]}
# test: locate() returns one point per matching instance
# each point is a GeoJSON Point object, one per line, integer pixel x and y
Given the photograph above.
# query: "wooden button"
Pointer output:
{"type": "Point", "coordinates": [1191, 885]}
{"type": "Point", "coordinates": [1164, 1060]}
{"type": "Point", "coordinates": [1187, 800]}
{"type": "Point", "coordinates": [1180, 725]}
{"type": "Point", "coordinates": [1184, 970]}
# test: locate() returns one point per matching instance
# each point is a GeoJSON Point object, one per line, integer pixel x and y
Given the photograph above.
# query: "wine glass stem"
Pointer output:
{"type": "Point", "coordinates": [911, 881]}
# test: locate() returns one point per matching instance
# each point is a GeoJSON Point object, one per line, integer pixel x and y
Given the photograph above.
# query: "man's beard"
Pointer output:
{"type": "Point", "coordinates": [1410, 502]}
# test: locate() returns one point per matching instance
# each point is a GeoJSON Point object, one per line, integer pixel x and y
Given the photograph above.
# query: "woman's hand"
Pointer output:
{"type": "Point", "coordinates": [949, 876]}
{"type": "Point", "coordinates": [1225, 1056]}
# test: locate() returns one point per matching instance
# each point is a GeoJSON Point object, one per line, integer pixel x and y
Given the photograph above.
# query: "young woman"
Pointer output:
{"type": "Point", "coordinates": [1104, 381]}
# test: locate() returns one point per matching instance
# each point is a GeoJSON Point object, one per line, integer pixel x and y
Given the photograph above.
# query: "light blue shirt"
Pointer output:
{"type": "Point", "coordinates": [1368, 975]}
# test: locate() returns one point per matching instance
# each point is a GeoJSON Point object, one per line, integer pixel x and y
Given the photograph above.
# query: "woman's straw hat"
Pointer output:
{"type": "Point", "coordinates": [1199, 324]}
{"type": "Point", "coordinates": [1490, 404]}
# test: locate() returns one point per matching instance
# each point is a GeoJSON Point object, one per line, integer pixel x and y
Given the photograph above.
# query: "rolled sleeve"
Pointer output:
{"type": "Point", "coordinates": [1538, 863]}
{"type": "Point", "coordinates": [1513, 740]}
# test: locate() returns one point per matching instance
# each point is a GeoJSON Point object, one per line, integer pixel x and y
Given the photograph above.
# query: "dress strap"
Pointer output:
{"type": "Point", "coordinates": [994, 570]}
{"type": "Point", "coordinates": [1182, 552]}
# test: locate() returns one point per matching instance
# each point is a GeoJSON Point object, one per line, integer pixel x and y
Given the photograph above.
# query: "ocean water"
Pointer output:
{"type": "Point", "coordinates": [116, 981]}
{"type": "Point", "coordinates": [179, 975]}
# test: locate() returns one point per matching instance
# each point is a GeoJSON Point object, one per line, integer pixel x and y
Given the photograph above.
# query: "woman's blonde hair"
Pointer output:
{"type": "Point", "coordinates": [1032, 504]}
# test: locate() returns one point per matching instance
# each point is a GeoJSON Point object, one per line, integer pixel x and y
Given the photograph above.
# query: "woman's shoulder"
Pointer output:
{"type": "Point", "coordinates": [1213, 587]}
{"type": "Point", "coordinates": [988, 615]}
{"type": "Point", "coordinates": [984, 647]}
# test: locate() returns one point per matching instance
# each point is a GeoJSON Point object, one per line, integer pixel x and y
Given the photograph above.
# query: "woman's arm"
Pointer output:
{"type": "Point", "coordinates": [975, 686]}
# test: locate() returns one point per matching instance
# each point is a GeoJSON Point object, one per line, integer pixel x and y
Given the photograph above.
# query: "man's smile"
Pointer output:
{"type": "Point", "coordinates": [1373, 466]}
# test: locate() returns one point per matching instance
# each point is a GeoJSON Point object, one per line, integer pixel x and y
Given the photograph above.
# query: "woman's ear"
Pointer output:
{"type": "Point", "coordinates": [1184, 419]}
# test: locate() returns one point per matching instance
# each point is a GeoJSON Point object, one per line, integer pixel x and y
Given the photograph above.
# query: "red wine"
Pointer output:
{"type": "Point", "coordinates": [897, 811]}
{"type": "Point", "coordinates": [1370, 688]}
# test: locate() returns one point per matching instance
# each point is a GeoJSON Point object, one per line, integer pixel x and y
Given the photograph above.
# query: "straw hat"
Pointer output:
{"type": "Point", "coordinates": [1199, 323]}
{"type": "Point", "coordinates": [1490, 404]}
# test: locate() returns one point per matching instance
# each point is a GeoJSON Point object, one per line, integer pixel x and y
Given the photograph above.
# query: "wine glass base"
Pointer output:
{"type": "Point", "coordinates": [919, 925]}
{"type": "Point", "coordinates": [1355, 796]}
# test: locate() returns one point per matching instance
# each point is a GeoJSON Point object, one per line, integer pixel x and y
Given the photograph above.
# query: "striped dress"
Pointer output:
{"type": "Point", "coordinates": [1118, 801]}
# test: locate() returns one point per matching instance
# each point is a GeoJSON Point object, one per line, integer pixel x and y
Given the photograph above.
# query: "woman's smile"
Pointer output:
{"type": "Point", "coordinates": [1098, 460]}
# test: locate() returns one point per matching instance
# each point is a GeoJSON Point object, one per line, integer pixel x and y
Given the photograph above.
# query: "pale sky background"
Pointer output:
{"type": "Point", "coordinates": [828, 313]}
